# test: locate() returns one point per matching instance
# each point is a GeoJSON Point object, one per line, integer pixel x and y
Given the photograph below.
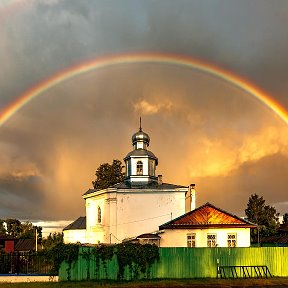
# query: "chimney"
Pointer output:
{"type": "Point", "coordinates": [193, 196]}
{"type": "Point", "coordinates": [160, 182]}
{"type": "Point", "coordinates": [190, 198]}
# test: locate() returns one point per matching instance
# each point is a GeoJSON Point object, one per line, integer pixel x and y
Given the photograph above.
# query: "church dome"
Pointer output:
{"type": "Point", "coordinates": [140, 136]}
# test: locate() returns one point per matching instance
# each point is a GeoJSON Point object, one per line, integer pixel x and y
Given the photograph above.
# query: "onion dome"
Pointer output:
{"type": "Point", "coordinates": [140, 136]}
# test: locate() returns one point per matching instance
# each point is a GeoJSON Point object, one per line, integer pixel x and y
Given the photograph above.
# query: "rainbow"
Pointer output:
{"type": "Point", "coordinates": [101, 62]}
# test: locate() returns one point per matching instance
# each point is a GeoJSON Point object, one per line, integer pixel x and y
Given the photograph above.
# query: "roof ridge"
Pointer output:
{"type": "Point", "coordinates": [206, 219]}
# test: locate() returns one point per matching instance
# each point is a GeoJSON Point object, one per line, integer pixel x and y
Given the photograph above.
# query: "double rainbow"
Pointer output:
{"type": "Point", "coordinates": [97, 63]}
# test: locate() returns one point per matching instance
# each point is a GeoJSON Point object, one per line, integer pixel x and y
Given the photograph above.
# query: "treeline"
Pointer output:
{"type": "Point", "coordinates": [264, 216]}
{"type": "Point", "coordinates": [20, 230]}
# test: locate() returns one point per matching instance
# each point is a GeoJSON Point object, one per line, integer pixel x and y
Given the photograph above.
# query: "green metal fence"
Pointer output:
{"type": "Point", "coordinates": [182, 263]}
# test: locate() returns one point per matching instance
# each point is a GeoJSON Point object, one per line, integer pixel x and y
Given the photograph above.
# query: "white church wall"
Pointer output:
{"type": "Point", "coordinates": [129, 214]}
{"type": "Point", "coordinates": [178, 237]}
{"type": "Point", "coordinates": [95, 229]}
{"type": "Point", "coordinates": [74, 236]}
{"type": "Point", "coordinates": [143, 212]}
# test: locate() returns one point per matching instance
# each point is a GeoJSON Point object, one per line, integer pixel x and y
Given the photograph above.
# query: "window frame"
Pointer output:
{"type": "Point", "coordinates": [232, 240]}
{"type": "Point", "coordinates": [211, 243]}
{"type": "Point", "coordinates": [191, 240]}
{"type": "Point", "coordinates": [139, 168]}
{"type": "Point", "coordinates": [99, 215]}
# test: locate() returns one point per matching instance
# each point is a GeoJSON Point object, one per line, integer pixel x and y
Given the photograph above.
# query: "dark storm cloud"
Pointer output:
{"type": "Point", "coordinates": [20, 197]}
{"type": "Point", "coordinates": [246, 37]}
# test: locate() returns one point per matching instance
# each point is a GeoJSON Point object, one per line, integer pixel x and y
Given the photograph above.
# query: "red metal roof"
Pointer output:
{"type": "Point", "coordinates": [207, 215]}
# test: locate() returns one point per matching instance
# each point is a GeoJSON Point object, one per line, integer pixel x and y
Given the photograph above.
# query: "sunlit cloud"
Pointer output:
{"type": "Point", "coordinates": [218, 157]}
{"type": "Point", "coordinates": [145, 108]}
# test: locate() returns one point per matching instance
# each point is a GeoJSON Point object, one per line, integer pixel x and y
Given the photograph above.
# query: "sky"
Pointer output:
{"type": "Point", "coordinates": [204, 129]}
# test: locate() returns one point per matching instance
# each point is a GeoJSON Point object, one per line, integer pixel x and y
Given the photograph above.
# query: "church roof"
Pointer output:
{"type": "Point", "coordinates": [151, 185]}
{"type": "Point", "coordinates": [140, 153]}
{"type": "Point", "coordinates": [79, 223]}
{"type": "Point", "coordinates": [207, 216]}
{"type": "Point", "coordinates": [140, 186]}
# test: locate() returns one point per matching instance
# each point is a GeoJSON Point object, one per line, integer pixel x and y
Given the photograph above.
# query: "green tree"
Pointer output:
{"type": "Point", "coordinates": [13, 227]}
{"type": "Point", "coordinates": [285, 218]}
{"type": "Point", "coordinates": [52, 240]}
{"type": "Point", "coordinates": [265, 216]}
{"type": "Point", "coordinates": [27, 230]}
{"type": "Point", "coordinates": [18, 229]}
{"type": "Point", "coordinates": [107, 175]}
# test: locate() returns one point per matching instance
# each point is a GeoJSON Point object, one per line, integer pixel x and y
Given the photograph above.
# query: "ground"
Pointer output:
{"type": "Point", "coordinates": [195, 283]}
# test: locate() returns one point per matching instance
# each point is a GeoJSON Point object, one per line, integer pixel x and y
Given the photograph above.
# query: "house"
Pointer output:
{"type": "Point", "coordinates": [206, 226]}
{"type": "Point", "coordinates": [7, 243]}
{"type": "Point", "coordinates": [27, 245]}
{"type": "Point", "coordinates": [138, 205]}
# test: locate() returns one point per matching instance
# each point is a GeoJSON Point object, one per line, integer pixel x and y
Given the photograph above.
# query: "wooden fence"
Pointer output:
{"type": "Point", "coordinates": [181, 263]}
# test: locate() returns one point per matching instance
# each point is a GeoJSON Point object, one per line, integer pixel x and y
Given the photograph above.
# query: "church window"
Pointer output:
{"type": "Point", "coordinates": [232, 240]}
{"type": "Point", "coordinates": [211, 240]}
{"type": "Point", "coordinates": [139, 168]}
{"type": "Point", "coordinates": [99, 215]}
{"type": "Point", "coordinates": [191, 240]}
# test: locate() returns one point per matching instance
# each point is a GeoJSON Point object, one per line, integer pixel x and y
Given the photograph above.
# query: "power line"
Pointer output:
{"type": "Point", "coordinates": [138, 220]}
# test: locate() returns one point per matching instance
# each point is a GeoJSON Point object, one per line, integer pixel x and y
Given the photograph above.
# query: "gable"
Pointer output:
{"type": "Point", "coordinates": [207, 216]}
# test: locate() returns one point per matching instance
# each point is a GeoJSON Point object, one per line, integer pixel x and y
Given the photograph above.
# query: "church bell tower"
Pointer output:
{"type": "Point", "coordinates": [140, 162]}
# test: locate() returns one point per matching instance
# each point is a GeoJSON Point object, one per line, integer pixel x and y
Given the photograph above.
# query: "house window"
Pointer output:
{"type": "Point", "coordinates": [232, 240]}
{"type": "Point", "coordinates": [211, 240]}
{"type": "Point", "coordinates": [191, 240]}
{"type": "Point", "coordinates": [99, 215]}
{"type": "Point", "coordinates": [139, 168]}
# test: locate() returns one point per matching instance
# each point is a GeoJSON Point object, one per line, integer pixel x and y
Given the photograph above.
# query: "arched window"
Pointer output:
{"type": "Point", "coordinates": [99, 215]}
{"type": "Point", "coordinates": [139, 168]}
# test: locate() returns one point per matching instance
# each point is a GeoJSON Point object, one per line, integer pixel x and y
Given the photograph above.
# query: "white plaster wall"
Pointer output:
{"type": "Point", "coordinates": [74, 236]}
{"type": "Point", "coordinates": [128, 214]}
{"type": "Point", "coordinates": [143, 212]}
{"type": "Point", "coordinates": [178, 237]}
{"type": "Point", "coordinates": [96, 231]}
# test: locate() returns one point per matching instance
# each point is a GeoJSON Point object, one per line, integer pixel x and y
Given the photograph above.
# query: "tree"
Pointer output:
{"type": "Point", "coordinates": [13, 227]}
{"type": "Point", "coordinates": [107, 175]}
{"type": "Point", "coordinates": [52, 240]}
{"type": "Point", "coordinates": [27, 230]}
{"type": "Point", "coordinates": [18, 229]}
{"type": "Point", "coordinates": [285, 218]}
{"type": "Point", "coordinates": [265, 216]}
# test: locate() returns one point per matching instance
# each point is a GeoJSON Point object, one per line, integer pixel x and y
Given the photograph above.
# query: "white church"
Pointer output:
{"type": "Point", "coordinates": [145, 209]}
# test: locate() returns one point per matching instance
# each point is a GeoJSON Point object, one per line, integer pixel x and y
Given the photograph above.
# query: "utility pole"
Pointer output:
{"type": "Point", "coordinates": [36, 240]}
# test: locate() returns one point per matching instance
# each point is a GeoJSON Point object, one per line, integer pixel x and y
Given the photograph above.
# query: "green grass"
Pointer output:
{"type": "Point", "coordinates": [276, 282]}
